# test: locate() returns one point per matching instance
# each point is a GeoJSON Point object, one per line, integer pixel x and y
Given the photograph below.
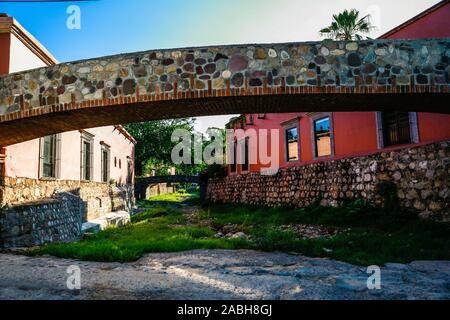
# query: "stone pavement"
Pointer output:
{"type": "Point", "coordinates": [219, 274]}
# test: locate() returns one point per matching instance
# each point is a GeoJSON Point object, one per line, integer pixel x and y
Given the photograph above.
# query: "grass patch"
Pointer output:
{"type": "Point", "coordinates": [173, 199]}
{"type": "Point", "coordinates": [176, 197]}
{"type": "Point", "coordinates": [369, 235]}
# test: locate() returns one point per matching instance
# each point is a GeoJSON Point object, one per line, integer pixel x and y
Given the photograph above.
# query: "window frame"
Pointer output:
{"type": "Point", "coordinates": [246, 159]}
{"type": "Point", "coordinates": [105, 148]}
{"type": "Point", "coordinates": [288, 125]}
{"type": "Point", "coordinates": [129, 170]}
{"type": "Point", "coordinates": [286, 144]}
{"type": "Point", "coordinates": [316, 117]}
{"type": "Point", "coordinates": [233, 166]}
{"type": "Point", "coordinates": [413, 130]}
{"type": "Point", "coordinates": [86, 137]}
{"type": "Point", "coordinates": [57, 157]}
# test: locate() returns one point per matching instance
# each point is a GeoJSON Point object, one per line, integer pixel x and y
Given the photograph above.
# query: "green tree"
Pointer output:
{"type": "Point", "coordinates": [154, 145]}
{"type": "Point", "coordinates": [347, 25]}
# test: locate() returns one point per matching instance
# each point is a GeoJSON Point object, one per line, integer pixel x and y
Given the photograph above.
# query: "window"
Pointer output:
{"type": "Point", "coordinates": [105, 162]}
{"type": "Point", "coordinates": [234, 159]}
{"type": "Point", "coordinates": [86, 156]}
{"type": "Point", "coordinates": [322, 137]}
{"type": "Point", "coordinates": [292, 144]}
{"type": "Point", "coordinates": [245, 162]}
{"type": "Point", "coordinates": [49, 157]}
{"type": "Point", "coordinates": [396, 128]}
{"type": "Point", "coordinates": [129, 170]}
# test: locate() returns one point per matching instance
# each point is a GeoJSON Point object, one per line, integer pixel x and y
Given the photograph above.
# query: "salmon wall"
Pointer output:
{"type": "Point", "coordinates": [354, 134]}
{"type": "Point", "coordinates": [433, 126]}
{"type": "Point", "coordinates": [433, 25]}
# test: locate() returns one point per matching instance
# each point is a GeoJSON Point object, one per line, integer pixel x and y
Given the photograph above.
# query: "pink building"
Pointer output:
{"type": "Point", "coordinates": [95, 162]}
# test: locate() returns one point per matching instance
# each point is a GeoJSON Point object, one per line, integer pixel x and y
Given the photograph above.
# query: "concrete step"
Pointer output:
{"type": "Point", "coordinates": [112, 219]}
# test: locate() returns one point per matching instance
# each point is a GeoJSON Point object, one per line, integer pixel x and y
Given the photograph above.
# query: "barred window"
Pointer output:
{"type": "Point", "coordinates": [396, 128]}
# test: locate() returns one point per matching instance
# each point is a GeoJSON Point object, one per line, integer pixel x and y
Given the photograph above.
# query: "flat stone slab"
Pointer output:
{"type": "Point", "coordinates": [112, 219]}
{"type": "Point", "coordinates": [219, 274]}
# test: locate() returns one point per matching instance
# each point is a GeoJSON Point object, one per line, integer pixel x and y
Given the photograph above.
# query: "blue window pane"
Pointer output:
{"type": "Point", "coordinates": [323, 125]}
{"type": "Point", "coordinates": [292, 134]}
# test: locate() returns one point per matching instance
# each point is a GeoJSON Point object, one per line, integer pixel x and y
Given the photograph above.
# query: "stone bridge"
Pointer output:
{"type": "Point", "coordinates": [141, 184]}
{"type": "Point", "coordinates": [311, 76]}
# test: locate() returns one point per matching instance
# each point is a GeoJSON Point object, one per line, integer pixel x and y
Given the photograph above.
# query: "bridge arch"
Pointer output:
{"type": "Point", "coordinates": [368, 75]}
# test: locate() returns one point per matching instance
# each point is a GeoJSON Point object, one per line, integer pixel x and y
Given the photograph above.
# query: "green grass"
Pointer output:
{"type": "Point", "coordinates": [369, 236]}
{"type": "Point", "coordinates": [174, 199]}
{"type": "Point", "coordinates": [179, 196]}
{"type": "Point", "coordinates": [155, 230]}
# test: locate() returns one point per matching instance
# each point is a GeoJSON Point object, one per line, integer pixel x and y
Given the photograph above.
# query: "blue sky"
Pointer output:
{"type": "Point", "coordinates": [117, 26]}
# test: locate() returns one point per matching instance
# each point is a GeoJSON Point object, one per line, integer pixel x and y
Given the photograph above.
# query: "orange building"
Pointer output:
{"type": "Point", "coordinates": [316, 136]}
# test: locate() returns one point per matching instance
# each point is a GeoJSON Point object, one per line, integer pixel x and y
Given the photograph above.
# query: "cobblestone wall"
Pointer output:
{"type": "Point", "coordinates": [195, 81]}
{"type": "Point", "coordinates": [56, 219]}
{"type": "Point", "coordinates": [98, 198]}
{"type": "Point", "coordinates": [422, 176]}
{"type": "Point", "coordinates": [158, 189]}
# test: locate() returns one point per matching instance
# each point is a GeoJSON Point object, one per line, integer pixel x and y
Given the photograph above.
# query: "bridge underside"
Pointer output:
{"type": "Point", "coordinates": [24, 129]}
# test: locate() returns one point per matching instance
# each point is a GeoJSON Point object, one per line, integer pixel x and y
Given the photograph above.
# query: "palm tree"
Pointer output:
{"type": "Point", "coordinates": [347, 26]}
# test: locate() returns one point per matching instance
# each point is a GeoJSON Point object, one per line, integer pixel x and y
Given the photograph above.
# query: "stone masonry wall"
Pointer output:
{"type": "Point", "coordinates": [422, 176]}
{"type": "Point", "coordinates": [158, 189]}
{"type": "Point", "coordinates": [56, 219]}
{"type": "Point", "coordinates": [195, 81]}
{"type": "Point", "coordinates": [98, 198]}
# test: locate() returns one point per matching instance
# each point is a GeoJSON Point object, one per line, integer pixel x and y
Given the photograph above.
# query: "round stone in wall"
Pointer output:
{"type": "Point", "coordinates": [210, 68]}
{"type": "Point", "coordinates": [238, 80]}
{"type": "Point", "coordinates": [324, 51]}
{"type": "Point", "coordinates": [129, 86]}
{"type": "Point", "coordinates": [272, 53]}
{"type": "Point", "coordinates": [226, 74]}
{"type": "Point", "coordinates": [352, 46]}
{"type": "Point", "coordinates": [354, 60]}
{"type": "Point", "coordinates": [238, 63]}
